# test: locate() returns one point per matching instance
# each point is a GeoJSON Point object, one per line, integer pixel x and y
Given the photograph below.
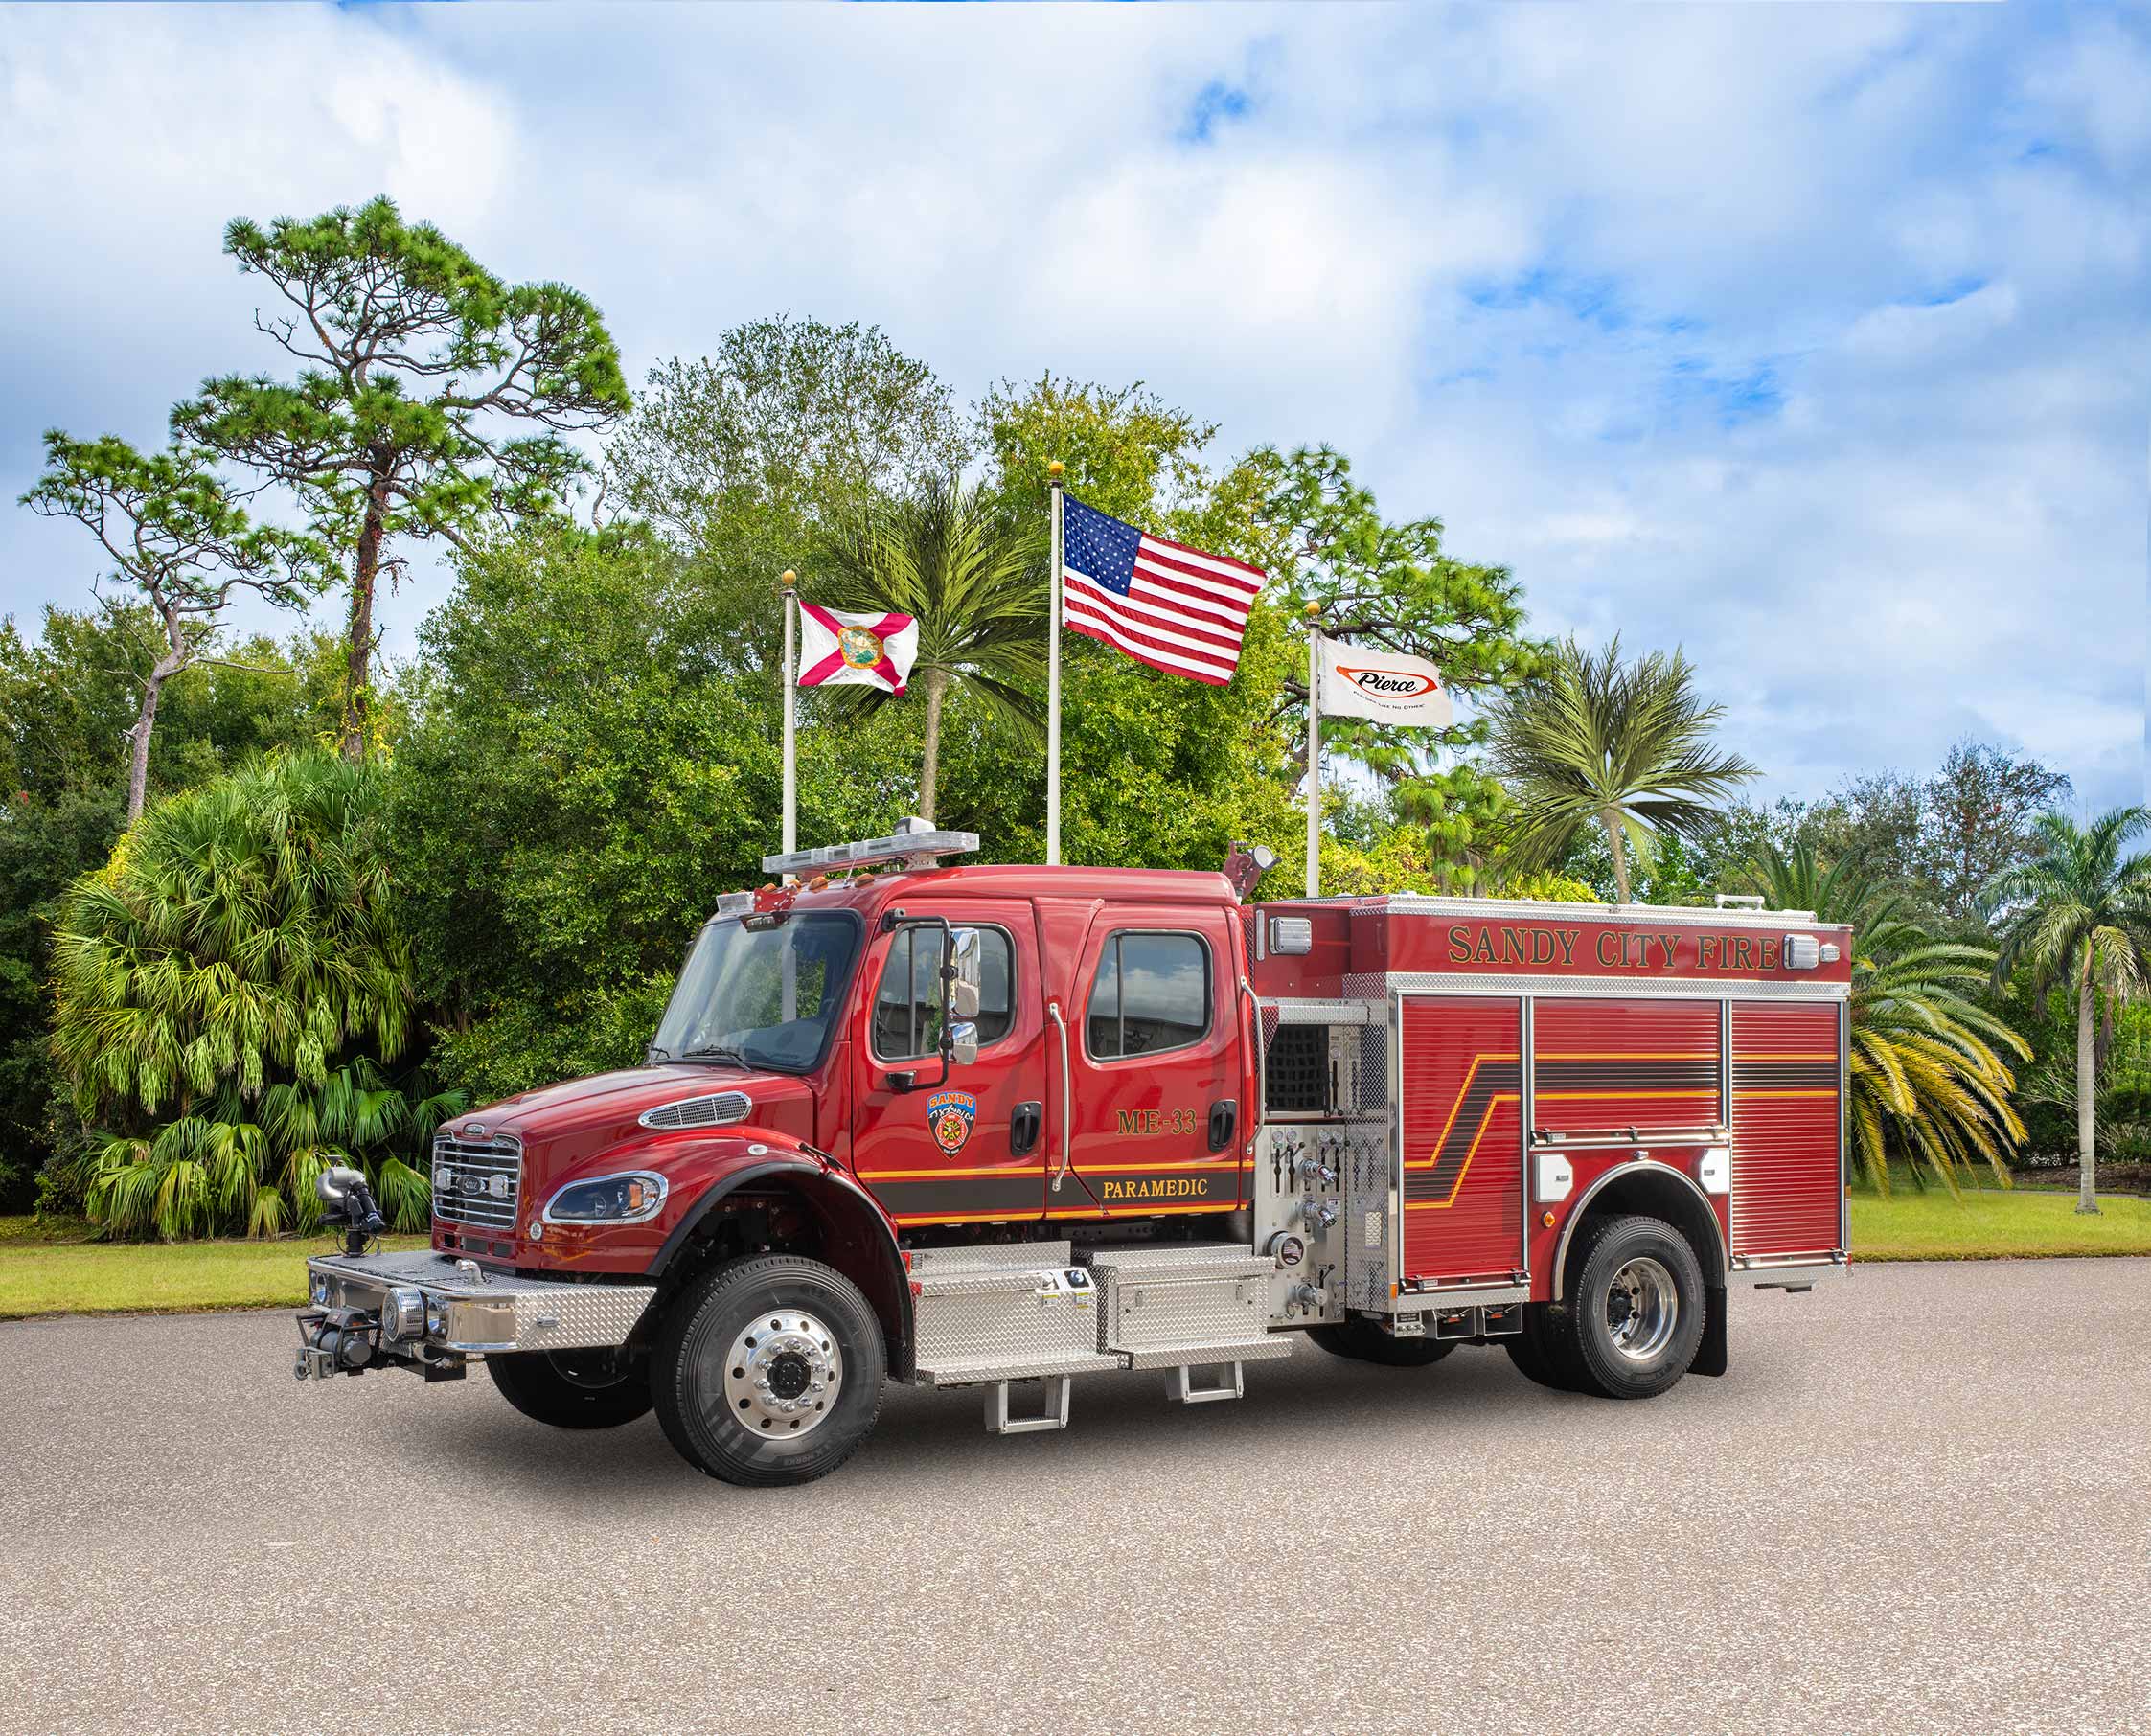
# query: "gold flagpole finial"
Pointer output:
{"type": "Point", "coordinates": [1054, 470]}
{"type": "Point", "coordinates": [790, 579]}
{"type": "Point", "coordinates": [1314, 609]}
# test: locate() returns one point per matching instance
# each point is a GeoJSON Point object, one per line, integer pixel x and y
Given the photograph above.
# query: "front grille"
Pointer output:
{"type": "Point", "coordinates": [477, 1181]}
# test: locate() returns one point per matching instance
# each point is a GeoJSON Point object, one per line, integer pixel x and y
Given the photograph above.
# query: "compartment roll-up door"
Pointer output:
{"type": "Point", "coordinates": [1787, 1127]}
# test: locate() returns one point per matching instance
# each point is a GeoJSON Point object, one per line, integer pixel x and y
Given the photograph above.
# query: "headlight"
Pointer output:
{"type": "Point", "coordinates": [608, 1199]}
{"type": "Point", "coordinates": [320, 1291]}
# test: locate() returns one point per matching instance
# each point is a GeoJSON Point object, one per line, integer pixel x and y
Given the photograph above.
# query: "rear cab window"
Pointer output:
{"type": "Point", "coordinates": [1150, 994]}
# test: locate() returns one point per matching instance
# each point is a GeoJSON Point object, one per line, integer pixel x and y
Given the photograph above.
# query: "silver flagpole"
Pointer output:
{"type": "Point", "coordinates": [1053, 686]}
{"type": "Point", "coordinates": [1314, 753]}
{"type": "Point", "coordinates": [791, 583]}
{"type": "Point", "coordinates": [790, 989]}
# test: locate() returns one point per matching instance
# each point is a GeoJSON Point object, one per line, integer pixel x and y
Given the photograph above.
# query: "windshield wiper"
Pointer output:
{"type": "Point", "coordinates": [717, 1051]}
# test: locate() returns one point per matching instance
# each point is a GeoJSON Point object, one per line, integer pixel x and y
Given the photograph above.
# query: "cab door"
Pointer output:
{"type": "Point", "coordinates": [969, 1148]}
{"type": "Point", "coordinates": [1157, 1124]}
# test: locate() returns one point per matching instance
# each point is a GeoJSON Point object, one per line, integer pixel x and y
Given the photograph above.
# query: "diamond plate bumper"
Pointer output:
{"type": "Point", "coordinates": [473, 1311]}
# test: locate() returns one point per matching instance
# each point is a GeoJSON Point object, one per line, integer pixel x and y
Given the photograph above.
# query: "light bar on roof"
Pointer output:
{"type": "Point", "coordinates": [923, 843]}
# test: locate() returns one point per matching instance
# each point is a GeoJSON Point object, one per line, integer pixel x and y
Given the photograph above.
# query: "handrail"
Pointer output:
{"type": "Point", "coordinates": [1067, 1096]}
{"type": "Point", "coordinates": [1262, 1059]}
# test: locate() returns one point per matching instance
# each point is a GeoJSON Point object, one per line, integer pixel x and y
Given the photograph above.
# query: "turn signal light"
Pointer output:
{"type": "Point", "coordinates": [1546, 1219]}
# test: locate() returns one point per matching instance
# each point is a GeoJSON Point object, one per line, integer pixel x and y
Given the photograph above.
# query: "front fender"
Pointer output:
{"type": "Point", "coordinates": [854, 1235]}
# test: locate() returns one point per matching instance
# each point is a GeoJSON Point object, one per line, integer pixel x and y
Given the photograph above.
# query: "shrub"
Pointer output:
{"type": "Point", "coordinates": [229, 991]}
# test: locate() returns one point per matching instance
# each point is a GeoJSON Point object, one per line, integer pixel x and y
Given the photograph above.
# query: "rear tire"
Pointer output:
{"type": "Point", "coordinates": [1360, 1339]}
{"type": "Point", "coordinates": [1635, 1310]}
{"type": "Point", "coordinates": [768, 1371]}
{"type": "Point", "coordinates": [573, 1388]}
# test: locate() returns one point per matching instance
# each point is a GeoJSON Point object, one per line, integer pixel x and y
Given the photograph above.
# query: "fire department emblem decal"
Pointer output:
{"type": "Point", "coordinates": [948, 1116]}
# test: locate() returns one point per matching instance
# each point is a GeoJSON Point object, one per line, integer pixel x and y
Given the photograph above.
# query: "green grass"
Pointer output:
{"type": "Point", "coordinates": [1990, 1223]}
{"type": "Point", "coordinates": [52, 1270]}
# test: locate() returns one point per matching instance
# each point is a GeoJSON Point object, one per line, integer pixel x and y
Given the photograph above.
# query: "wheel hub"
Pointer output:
{"type": "Point", "coordinates": [783, 1372]}
{"type": "Point", "coordinates": [1642, 1309]}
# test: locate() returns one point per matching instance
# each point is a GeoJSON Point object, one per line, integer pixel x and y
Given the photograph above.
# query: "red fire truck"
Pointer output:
{"type": "Point", "coordinates": [999, 1127]}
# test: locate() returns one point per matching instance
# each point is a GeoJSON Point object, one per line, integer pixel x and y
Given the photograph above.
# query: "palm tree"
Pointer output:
{"type": "Point", "coordinates": [978, 592]}
{"type": "Point", "coordinates": [2079, 915]}
{"type": "Point", "coordinates": [1626, 748]}
{"type": "Point", "coordinates": [225, 992]}
{"type": "Point", "coordinates": [1926, 1077]}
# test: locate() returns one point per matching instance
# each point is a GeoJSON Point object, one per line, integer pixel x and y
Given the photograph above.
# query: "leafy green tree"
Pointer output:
{"type": "Point", "coordinates": [68, 702]}
{"type": "Point", "coordinates": [790, 428]}
{"type": "Point", "coordinates": [1364, 580]}
{"type": "Point", "coordinates": [1927, 1079]}
{"type": "Point", "coordinates": [1125, 451]}
{"type": "Point", "coordinates": [229, 990]}
{"type": "Point", "coordinates": [417, 366]}
{"type": "Point", "coordinates": [978, 590]}
{"type": "Point", "coordinates": [178, 541]}
{"type": "Point", "coordinates": [583, 777]}
{"type": "Point", "coordinates": [2079, 915]}
{"type": "Point", "coordinates": [1623, 746]}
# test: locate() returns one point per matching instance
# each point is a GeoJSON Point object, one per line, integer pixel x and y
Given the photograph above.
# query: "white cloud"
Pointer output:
{"type": "Point", "coordinates": [1812, 340]}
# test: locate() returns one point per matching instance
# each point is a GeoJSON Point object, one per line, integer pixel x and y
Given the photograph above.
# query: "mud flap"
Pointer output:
{"type": "Point", "coordinates": [1710, 1349]}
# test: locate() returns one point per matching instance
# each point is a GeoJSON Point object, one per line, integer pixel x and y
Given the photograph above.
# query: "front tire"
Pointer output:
{"type": "Point", "coordinates": [573, 1388]}
{"type": "Point", "coordinates": [1360, 1339]}
{"type": "Point", "coordinates": [768, 1371]}
{"type": "Point", "coordinates": [1635, 1314]}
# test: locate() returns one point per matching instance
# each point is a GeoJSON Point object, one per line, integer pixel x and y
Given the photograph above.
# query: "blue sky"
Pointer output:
{"type": "Point", "coordinates": [1812, 340]}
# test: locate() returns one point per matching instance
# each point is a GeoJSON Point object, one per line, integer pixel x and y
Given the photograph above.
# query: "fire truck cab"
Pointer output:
{"type": "Point", "coordinates": [999, 1127]}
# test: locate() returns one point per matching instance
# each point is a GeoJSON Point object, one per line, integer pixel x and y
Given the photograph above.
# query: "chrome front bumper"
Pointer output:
{"type": "Point", "coordinates": [466, 1312]}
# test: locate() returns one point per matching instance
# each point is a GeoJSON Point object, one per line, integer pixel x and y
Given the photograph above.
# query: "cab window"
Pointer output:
{"type": "Point", "coordinates": [907, 1005]}
{"type": "Point", "coordinates": [1152, 993]}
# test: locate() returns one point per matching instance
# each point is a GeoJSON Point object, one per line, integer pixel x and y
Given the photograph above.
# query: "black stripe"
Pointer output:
{"type": "Point", "coordinates": [1783, 1075]}
{"type": "Point", "coordinates": [1486, 1084]}
{"type": "Point", "coordinates": [1619, 1075]}
{"type": "Point", "coordinates": [1021, 1194]}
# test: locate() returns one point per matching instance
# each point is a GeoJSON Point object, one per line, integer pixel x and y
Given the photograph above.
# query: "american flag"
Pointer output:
{"type": "Point", "coordinates": [1163, 604]}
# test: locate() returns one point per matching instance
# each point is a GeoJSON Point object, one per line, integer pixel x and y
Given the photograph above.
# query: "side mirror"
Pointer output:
{"type": "Point", "coordinates": [964, 979]}
{"type": "Point", "coordinates": [960, 983]}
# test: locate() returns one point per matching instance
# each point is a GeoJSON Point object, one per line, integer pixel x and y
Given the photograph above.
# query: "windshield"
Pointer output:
{"type": "Point", "coordinates": [763, 998]}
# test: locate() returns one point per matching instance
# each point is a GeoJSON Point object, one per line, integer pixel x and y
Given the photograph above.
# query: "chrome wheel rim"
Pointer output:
{"type": "Point", "coordinates": [783, 1374]}
{"type": "Point", "coordinates": [1642, 1309]}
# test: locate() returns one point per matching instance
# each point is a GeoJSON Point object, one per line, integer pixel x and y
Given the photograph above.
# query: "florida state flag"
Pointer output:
{"type": "Point", "coordinates": [837, 646]}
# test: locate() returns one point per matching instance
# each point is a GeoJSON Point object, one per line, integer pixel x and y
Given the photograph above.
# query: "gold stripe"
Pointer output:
{"type": "Point", "coordinates": [1820, 1091]}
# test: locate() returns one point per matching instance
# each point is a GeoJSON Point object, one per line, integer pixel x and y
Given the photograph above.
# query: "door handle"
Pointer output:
{"type": "Point", "coordinates": [1024, 1125]}
{"type": "Point", "coordinates": [1224, 1117]}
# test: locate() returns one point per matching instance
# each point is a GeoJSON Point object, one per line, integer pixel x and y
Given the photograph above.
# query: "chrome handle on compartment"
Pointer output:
{"type": "Point", "coordinates": [1067, 1099]}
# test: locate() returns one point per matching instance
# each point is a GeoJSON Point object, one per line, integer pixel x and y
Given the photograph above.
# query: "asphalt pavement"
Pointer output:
{"type": "Point", "coordinates": [1920, 1501]}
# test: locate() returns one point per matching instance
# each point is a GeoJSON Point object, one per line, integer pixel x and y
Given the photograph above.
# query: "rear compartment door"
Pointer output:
{"type": "Point", "coordinates": [1460, 1082]}
{"type": "Point", "coordinates": [1788, 1153]}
